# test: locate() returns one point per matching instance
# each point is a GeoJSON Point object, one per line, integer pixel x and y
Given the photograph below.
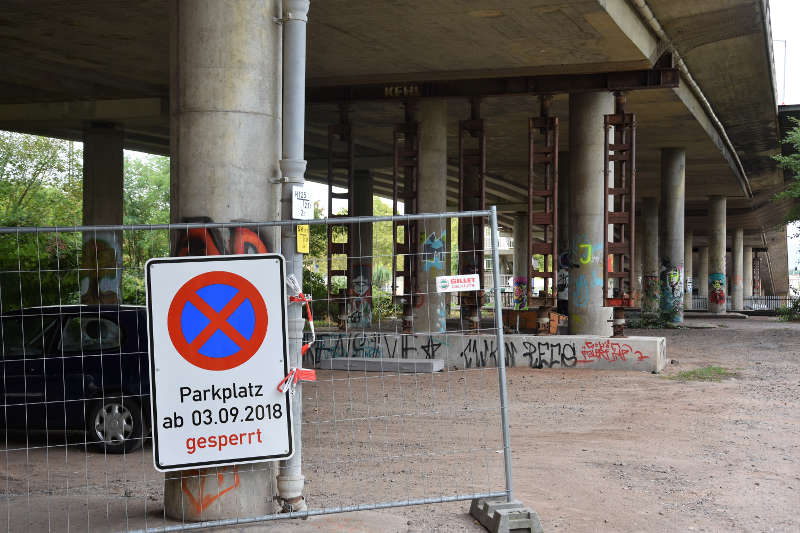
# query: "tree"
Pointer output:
{"type": "Point", "coordinates": [791, 163]}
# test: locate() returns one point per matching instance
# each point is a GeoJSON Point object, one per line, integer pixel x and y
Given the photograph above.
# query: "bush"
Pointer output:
{"type": "Point", "coordinates": [790, 313]}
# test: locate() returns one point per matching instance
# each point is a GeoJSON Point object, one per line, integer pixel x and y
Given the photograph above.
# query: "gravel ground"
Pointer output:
{"type": "Point", "coordinates": [592, 450]}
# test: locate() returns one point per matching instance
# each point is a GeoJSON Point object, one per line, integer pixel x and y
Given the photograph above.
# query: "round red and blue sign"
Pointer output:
{"type": "Point", "coordinates": [217, 320]}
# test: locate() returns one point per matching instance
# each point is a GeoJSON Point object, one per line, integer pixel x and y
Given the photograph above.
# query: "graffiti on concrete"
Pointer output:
{"type": "Point", "coordinates": [581, 293]}
{"type": "Point", "coordinates": [477, 351]}
{"type": "Point", "coordinates": [359, 296]}
{"type": "Point", "coordinates": [520, 292]}
{"type": "Point", "coordinates": [608, 351]}
{"type": "Point", "coordinates": [433, 251]}
{"type": "Point", "coordinates": [549, 354]}
{"type": "Point", "coordinates": [671, 287]}
{"type": "Point", "coordinates": [101, 268]}
{"type": "Point", "coordinates": [650, 291]}
{"type": "Point", "coordinates": [716, 288]}
{"type": "Point", "coordinates": [202, 498]}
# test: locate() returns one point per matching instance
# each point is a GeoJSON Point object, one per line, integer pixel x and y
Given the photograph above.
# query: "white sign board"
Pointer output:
{"type": "Point", "coordinates": [302, 206]}
{"type": "Point", "coordinates": [217, 330]}
{"type": "Point", "coordinates": [465, 282]}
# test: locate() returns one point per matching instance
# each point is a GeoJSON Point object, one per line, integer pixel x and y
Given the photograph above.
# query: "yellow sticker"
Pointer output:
{"type": "Point", "coordinates": [303, 238]}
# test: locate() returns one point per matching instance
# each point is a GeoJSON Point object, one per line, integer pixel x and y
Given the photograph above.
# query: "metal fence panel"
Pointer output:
{"type": "Point", "coordinates": [75, 372]}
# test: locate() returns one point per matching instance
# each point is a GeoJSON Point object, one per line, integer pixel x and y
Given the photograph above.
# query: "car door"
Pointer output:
{"type": "Point", "coordinates": [89, 347]}
{"type": "Point", "coordinates": [25, 341]}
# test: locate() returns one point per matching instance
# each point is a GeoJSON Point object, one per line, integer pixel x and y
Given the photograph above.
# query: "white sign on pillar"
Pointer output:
{"type": "Point", "coordinates": [302, 206]}
{"type": "Point", "coordinates": [217, 330]}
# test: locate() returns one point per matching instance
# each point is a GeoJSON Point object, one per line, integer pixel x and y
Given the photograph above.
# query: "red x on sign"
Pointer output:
{"type": "Point", "coordinates": [190, 308]}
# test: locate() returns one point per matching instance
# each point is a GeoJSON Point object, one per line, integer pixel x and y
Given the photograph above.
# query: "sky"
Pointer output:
{"type": "Point", "coordinates": [785, 16]}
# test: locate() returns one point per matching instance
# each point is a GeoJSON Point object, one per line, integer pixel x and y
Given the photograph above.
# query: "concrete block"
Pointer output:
{"type": "Point", "coordinates": [408, 366]}
{"type": "Point", "coordinates": [500, 516]}
{"type": "Point", "coordinates": [459, 350]}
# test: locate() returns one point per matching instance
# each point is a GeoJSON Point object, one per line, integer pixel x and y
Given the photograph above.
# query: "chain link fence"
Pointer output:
{"type": "Point", "coordinates": [408, 406]}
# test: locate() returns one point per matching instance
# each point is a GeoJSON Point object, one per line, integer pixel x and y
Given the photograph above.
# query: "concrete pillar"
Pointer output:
{"type": "Point", "coordinates": [748, 272]}
{"type": "Point", "coordinates": [651, 289]}
{"type": "Point", "coordinates": [587, 231]}
{"type": "Point", "coordinates": [225, 111]}
{"type": "Point", "coordinates": [701, 280]}
{"type": "Point", "coordinates": [670, 242]}
{"type": "Point", "coordinates": [521, 261]}
{"type": "Point", "coordinates": [101, 257]}
{"type": "Point", "coordinates": [359, 291]}
{"type": "Point", "coordinates": [562, 280]}
{"type": "Point", "coordinates": [716, 254]}
{"type": "Point", "coordinates": [688, 268]}
{"type": "Point", "coordinates": [737, 281]}
{"type": "Point", "coordinates": [432, 198]}
{"type": "Point", "coordinates": [225, 122]}
{"type": "Point", "coordinates": [638, 261]}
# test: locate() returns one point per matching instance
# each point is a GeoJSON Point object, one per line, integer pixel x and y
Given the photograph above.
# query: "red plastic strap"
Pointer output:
{"type": "Point", "coordinates": [302, 299]}
{"type": "Point", "coordinates": [295, 375]}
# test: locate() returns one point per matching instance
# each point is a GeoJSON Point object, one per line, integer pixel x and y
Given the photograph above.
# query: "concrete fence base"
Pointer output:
{"type": "Point", "coordinates": [458, 350]}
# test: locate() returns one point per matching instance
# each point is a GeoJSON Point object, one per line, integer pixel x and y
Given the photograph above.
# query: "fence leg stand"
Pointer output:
{"type": "Point", "coordinates": [500, 516]}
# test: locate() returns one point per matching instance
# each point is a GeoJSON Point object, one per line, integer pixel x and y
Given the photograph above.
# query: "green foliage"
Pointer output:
{"type": "Point", "coordinates": [791, 163]}
{"type": "Point", "coordinates": [661, 320]}
{"type": "Point", "coordinates": [382, 306]}
{"type": "Point", "coordinates": [706, 373]}
{"type": "Point", "coordinates": [790, 313]}
{"type": "Point", "coordinates": [40, 185]}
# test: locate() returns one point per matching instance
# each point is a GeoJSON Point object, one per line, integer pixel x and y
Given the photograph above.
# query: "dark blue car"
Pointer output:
{"type": "Point", "coordinates": [79, 367]}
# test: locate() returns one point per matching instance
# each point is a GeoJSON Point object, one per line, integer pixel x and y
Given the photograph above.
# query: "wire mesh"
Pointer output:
{"type": "Point", "coordinates": [76, 449]}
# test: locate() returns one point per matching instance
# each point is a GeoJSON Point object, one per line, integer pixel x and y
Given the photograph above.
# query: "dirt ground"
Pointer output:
{"type": "Point", "coordinates": [592, 450]}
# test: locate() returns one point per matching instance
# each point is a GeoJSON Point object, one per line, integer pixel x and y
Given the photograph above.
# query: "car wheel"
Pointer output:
{"type": "Point", "coordinates": [116, 425]}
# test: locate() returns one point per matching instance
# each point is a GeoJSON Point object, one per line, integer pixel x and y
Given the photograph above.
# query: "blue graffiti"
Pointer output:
{"type": "Point", "coordinates": [581, 291]}
{"type": "Point", "coordinates": [432, 250]}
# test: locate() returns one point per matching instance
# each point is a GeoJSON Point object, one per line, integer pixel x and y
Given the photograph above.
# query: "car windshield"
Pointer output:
{"type": "Point", "coordinates": [25, 336]}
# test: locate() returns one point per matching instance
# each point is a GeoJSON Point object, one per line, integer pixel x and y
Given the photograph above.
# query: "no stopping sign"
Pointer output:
{"type": "Point", "coordinates": [217, 330]}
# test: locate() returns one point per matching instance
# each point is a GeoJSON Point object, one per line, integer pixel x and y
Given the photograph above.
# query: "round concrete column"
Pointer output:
{"type": "Point", "coordinates": [521, 260]}
{"type": "Point", "coordinates": [716, 255]}
{"type": "Point", "coordinates": [432, 198]}
{"type": "Point", "coordinates": [748, 272]}
{"type": "Point", "coordinates": [688, 270]}
{"type": "Point", "coordinates": [638, 262]}
{"type": "Point", "coordinates": [563, 232]}
{"type": "Point", "coordinates": [701, 280]}
{"type": "Point", "coordinates": [225, 110]}
{"type": "Point", "coordinates": [587, 231]}
{"type": "Point", "coordinates": [225, 122]}
{"type": "Point", "coordinates": [359, 290]}
{"type": "Point", "coordinates": [101, 255]}
{"type": "Point", "coordinates": [737, 283]}
{"type": "Point", "coordinates": [651, 290]}
{"type": "Point", "coordinates": [670, 243]}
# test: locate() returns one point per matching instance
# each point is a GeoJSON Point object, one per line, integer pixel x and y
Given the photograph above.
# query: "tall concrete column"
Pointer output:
{"type": "Point", "coordinates": [651, 289]}
{"type": "Point", "coordinates": [701, 280]}
{"type": "Point", "coordinates": [737, 283]}
{"type": "Point", "coordinates": [748, 272]}
{"type": "Point", "coordinates": [225, 122]}
{"type": "Point", "coordinates": [638, 262]}
{"type": "Point", "coordinates": [716, 254]}
{"type": "Point", "coordinates": [670, 243]}
{"type": "Point", "coordinates": [521, 261]}
{"type": "Point", "coordinates": [587, 231]}
{"type": "Point", "coordinates": [688, 268]}
{"type": "Point", "coordinates": [432, 198]}
{"type": "Point", "coordinates": [562, 281]}
{"type": "Point", "coordinates": [101, 257]}
{"type": "Point", "coordinates": [359, 292]}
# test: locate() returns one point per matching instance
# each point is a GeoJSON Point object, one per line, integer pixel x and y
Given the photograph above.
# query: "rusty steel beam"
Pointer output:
{"type": "Point", "coordinates": [629, 80]}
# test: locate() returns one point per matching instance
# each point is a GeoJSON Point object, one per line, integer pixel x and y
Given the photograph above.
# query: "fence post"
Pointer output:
{"type": "Point", "coordinates": [501, 352]}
